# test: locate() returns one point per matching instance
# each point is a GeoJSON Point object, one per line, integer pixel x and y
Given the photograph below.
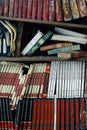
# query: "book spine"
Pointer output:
{"type": "Point", "coordinates": [77, 114]}
{"type": "Point", "coordinates": [74, 9]}
{"type": "Point", "coordinates": [34, 115]}
{"type": "Point", "coordinates": [20, 8]}
{"type": "Point", "coordinates": [45, 114]}
{"type": "Point", "coordinates": [62, 114]}
{"type": "Point", "coordinates": [82, 112]}
{"type": "Point", "coordinates": [67, 114]}
{"type": "Point", "coordinates": [45, 10]}
{"type": "Point", "coordinates": [24, 14]}
{"type": "Point", "coordinates": [82, 7]}
{"type": "Point", "coordinates": [58, 121]}
{"type": "Point", "coordinates": [11, 8]}
{"type": "Point", "coordinates": [66, 10]}
{"type": "Point", "coordinates": [1, 8]}
{"type": "Point", "coordinates": [38, 114]}
{"type": "Point", "coordinates": [49, 114]}
{"type": "Point", "coordinates": [29, 9]}
{"type": "Point", "coordinates": [64, 49]}
{"type": "Point", "coordinates": [6, 7]}
{"type": "Point", "coordinates": [16, 8]}
{"type": "Point", "coordinates": [34, 9]}
{"type": "Point", "coordinates": [39, 9]}
{"type": "Point", "coordinates": [59, 11]}
{"type": "Point", "coordinates": [72, 114]}
{"type": "Point", "coordinates": [51, 10]}
{"type": "Point", "coordinates": [42, 114]}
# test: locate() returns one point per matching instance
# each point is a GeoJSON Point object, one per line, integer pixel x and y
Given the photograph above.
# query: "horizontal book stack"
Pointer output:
{"type": "Point", "coordinates": [66, 44]}
{"type": "Point", "coordinates": [10, 38]}
{"type": "Point", "coordinates": [48, 10]}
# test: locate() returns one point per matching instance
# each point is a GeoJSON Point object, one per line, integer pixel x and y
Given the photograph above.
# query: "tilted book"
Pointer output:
{"type": "Point", "coordinates": [40, 42]}
{"type": "Point", "coordinates": [33, 41]}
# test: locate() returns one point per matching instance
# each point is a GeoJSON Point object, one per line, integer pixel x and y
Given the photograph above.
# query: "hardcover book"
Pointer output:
{"type": "Point", "coordinates": [6, 8]}
{"type": "Point", "coordinates": [29, 9]}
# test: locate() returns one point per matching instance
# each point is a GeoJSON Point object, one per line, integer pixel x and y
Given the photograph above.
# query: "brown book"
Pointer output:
{"type": "Point", "coordinates": [29, 9]}
{"type": "Point", "coordinates": [45, 10]}
{"type": "Point", "coordinates": [24, 14]}
{"type": "Point", "coordinates": [16, 3]}
{"type": "Point", "coordinates": [39, 9]}
{"type": "Point", "coordinates": [59, 11]}
{"type": "Point", "coordinates": [82, 7]}
{"type": "Point", "coordinates": [54, 46]}
{"type": "Point", "coordinates": [34, 9]}
{"type": "Point", "coordinates": [66, 10]}
{"type": "Point", "coordinates": [11, 8]}
{"type": "Point", "coordinates": [51, 10]}
{"type": "Point", "coordinates": [6, 7]}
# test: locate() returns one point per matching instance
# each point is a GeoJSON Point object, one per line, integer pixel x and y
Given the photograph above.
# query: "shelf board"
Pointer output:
{"type": "Point", "coordinates": [61, 24]}
{"type": "Point", "coordinates": [37, 59]}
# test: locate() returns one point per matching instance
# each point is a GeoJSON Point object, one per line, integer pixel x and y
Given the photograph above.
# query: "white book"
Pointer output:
{"type": "Point", "coordinates": [59, 37]}
{"type": "Point", "coordinates": [33, 41]}
{"type": "Point", "coordinates": [69, 32]}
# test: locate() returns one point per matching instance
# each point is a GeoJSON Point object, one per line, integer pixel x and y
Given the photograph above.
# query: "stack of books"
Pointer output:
{"type": "Point", "coordinates": [49, 10]}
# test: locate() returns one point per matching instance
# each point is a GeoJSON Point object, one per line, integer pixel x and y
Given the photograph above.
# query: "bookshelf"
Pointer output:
{"type": "Point", "coordinates": [78, 25]}
{"type": "Point", "coordinates": [62, 105]}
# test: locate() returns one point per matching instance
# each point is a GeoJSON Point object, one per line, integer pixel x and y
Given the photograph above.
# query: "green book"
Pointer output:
{"type": "Point", "coordinates": [41, 41]}
{"type": "Point", "coordinates": [64, 49]}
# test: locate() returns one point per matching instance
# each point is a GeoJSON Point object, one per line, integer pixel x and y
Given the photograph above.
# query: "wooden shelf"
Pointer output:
{"type": "Point", "coordinates": [60, 24]}
{"type": "Point", "coordinates": [37, 59]}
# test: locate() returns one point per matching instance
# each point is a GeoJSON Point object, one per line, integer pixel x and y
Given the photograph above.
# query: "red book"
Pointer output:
{"type": "Point", "coordinates": [72, 114]}
{"type": "Point", "coordinates": [38, 114]}
{"type": "Point", "coordinates": [62, 115]}
{"type": "Point", "coordinates": [82, 113]}
{"type": "Point", "coordinates": [59, 11]}
{"type": "Point", "coordinates": [58, 114]}
{"type": "Point", "coordinates": [39, 9]}
{"type": "Point", "coordinates": [52, 114]}
{"type": "Point", "coordinates": [67, 114]}
{"type": "Point", "coordinates": [42, 114]}
{"type": "Point", "coordinates": [46, 10]}
{"type": "Point", "coordinates": [6, 7]}
{"type": "Point", "coordinates": [24, 14]}
{"type": "Point", "coordinates": [20, 8]}
{"type": "Point", "coordinates": [16, 8]}
{"type": "Point", "coordinates": [51, 10]}
{"type": "Point", "coordinates": [29, 9]}
{"type": "Point", "coordinates": [34, 117]}
{"type": "Point", "coordinates": [45, 115]}
{"type": "Point", "coordinates": [11, 8]}
{"type": "Point", "coordinates": [49, 114]}
{"type": "Point", "coordinates": [77, 114]}
{"type": "Point", "coordinates": [34, 9]}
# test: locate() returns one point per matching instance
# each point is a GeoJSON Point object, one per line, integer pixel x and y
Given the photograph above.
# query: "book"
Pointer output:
{"type": "Point", "coordinates": [64, 49]}
{"type": "Point", "coordinates": [34, 116]}
{"type": "Point", "coordinates": [39, 9]}
{"type": "Point", "coordinates": [55, 45]}
{"type": "Point", "coordinates": [82, 7]}
{"type": "Point", "coordinates": [29, 9]}
{"type": "Point", "coordinates": [58, 120]}
{"type": "Point", "coordinates": [67, 114]}
{"type": "Point", "coordinates": [24, 13]}
{"type": "Point", "coordinates": [40, 42]}
{"type": "Point", "coordinates": [33, 41]}
{"type": "Point", "coordinates": [16, 8]}
{"type": "Point", "coordinates": [11, 8]}
{"type": "Point", "coordinates": [60, 37]}
{"type": "Point", "coordinates": [34, 9]}
{"type": "Point", "coordinates": [69, 32]}
{"type": "Point", "coordinates": [6, 7]}
{"type": "Point", "coordinates": [19, 38]}
{"type": "Point", "coordinates": [45, 10]}
{"type": "Point", "coordinates": [51, 10]}
{"type": "Point", "coordinates": [1, 7]}
{"type": "Point", "coordinates": [74, 9]}
{"type": "Point", "coordinates": [58, 11]}
{"type": "Point", "coordinates": [20, 8]}
{"type": "Point", "coordinates": [66, 10]}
